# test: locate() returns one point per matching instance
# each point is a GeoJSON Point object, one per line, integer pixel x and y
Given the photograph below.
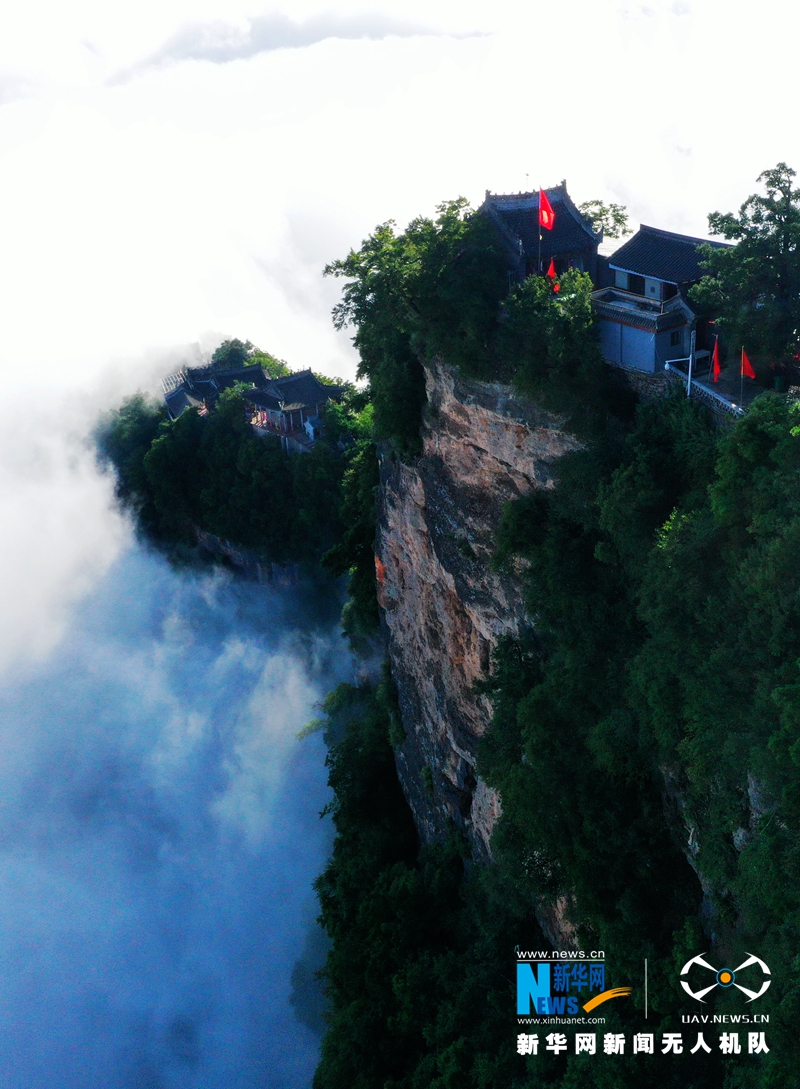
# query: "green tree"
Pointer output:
{"type": "Point", "coordinates": [274, 367]}
{"type": "Point", "coordinates": [547, 343]}
{"type": "Point", "coordinates": [232, 353]}
{"type": "Point", "coordinates": [124, 437]}
{"type": "Point", "coordinates": [753, 289]}
{"type": "Point", "coordinates": [354, 554]}
{"type": "Point", "coordinates": [243, 353]}
{"type": "Point", "coordinates": [433, 289]}
{"type": "Point", "coordinates": [245, 485]}
{"type": "Point", "coordinates": [611, 219]}
{"type": "Point", "coordinates": [174, 475]}
{"type": "Point", "coordinates": [377, 301]}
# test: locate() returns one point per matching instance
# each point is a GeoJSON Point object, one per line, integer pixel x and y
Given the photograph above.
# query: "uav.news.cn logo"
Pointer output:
{"type": "Point", "coordinates": [751, 973]}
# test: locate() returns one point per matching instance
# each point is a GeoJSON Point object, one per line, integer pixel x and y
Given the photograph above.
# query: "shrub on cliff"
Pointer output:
{"type": "Point", "coordinates": [354, 553]}
{"type": "Point", "coordinates": [434, 288]}
{"type": "Point", "coordinates": [547, 344]}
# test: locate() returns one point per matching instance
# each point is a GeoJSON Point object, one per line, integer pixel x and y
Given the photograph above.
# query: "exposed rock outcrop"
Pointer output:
{"type": "Point", "coordinates": [443, 606]}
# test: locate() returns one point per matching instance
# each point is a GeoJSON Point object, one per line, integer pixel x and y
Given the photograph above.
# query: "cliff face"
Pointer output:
{"type": "Point", "coordinates": [443, 607]}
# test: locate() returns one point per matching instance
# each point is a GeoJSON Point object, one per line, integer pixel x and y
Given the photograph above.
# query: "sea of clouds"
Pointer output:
{"type": "Point", "coordinates": [160, 832]}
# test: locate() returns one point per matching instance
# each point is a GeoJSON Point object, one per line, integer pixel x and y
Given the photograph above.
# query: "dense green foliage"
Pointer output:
{"type": "Point", "coordinates": [547, 345]}
{"type": "Point", "coordinates": [214, 474]}
{"type": "Point", "coordinates": [753, 288]}
{"type": "Point", "coordinates": [657, 702]}
{"type": "Point", "coordinates": [611, 219]}
{"type": "Point", "coordinates": [243, 353]}
{"type": "Point", "coordinates": [418, 974]}
{"type": "Point", "coordinates": [722, 591]}
{"type": "Point", "coordinates": [124, 439]}
{"type": "Point", "coordinates": [433, 288]}
{"type": "Point", "coordinates": [581, 785]}
{"type": "Point", "coordinates": [354, 554]}
{"type": "Point", "coordinates": [441, 287]}
{"type": "Point", "coordinates": [659, 693]}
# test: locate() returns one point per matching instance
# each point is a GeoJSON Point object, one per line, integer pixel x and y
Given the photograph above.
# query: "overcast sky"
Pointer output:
{"type": "Point", "coordinates": [177, 172]}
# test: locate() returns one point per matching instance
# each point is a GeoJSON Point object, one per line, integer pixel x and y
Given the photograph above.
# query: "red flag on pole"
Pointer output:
{"type": "Point", "coordinates": [747, 369]}
{"type": "Point", "coordinates": [547, 217]}
{"type": "Point", "coordinates": [553, 275]}
{"type": "Point", "coordinates": [715, 359]}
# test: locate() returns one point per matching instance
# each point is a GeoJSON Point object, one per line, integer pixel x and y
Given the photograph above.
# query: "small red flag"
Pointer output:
{"type": "Point", "coordinates": [553, 275]}
{"type": "Point", "coordinates": [547, 217]}
{"type": "Point", "coordinates": [715, 358]}
{"type": "Point", "coordinates": [747, 369]}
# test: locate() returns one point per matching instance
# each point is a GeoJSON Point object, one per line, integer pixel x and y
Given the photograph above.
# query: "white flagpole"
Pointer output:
{"type": "Point", "coordinates": [691, 363]}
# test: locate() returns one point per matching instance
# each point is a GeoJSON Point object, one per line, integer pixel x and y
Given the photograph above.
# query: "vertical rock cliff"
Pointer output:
{"type": "Point", "coordinates": [443, 606]}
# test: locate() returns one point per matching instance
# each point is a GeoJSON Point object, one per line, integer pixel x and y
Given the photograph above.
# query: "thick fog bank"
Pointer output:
{"type": "Point", "coordinates": [159, 834]}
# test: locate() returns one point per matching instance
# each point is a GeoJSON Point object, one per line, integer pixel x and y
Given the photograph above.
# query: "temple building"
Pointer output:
{"type": "Point", "coordinates": [572, 242]}
{"type": "Point", "coordinates": [640, 293]}
{"type": "Point", "coordinates": [292, 407]}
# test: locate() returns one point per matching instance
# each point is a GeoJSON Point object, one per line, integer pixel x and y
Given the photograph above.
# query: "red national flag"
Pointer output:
{"type": "Point", "coordinates": [715, 359]}
{"type": "Point", "coordinates": [547, 217]}
{"type": "Point", "coordinates": [552, 274]}
{"type": "Point", "coordinates": [747, 369]}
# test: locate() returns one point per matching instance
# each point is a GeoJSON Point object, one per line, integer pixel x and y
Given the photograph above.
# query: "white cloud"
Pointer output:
{"type": "Point", "coordinates": [223, 42]}
{"type": "Point", "coordinates": [281, 701]}
{"type": "Point", "coordinates": [59, 533]}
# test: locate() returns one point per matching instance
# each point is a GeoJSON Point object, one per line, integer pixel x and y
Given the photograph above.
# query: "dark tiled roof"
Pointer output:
{"type": "Point", "coordinates": [180, 399]}
{"type": "Point", "coordinates": [264, 398]}
{"type": "Point", "coordinates": [205, 390]}
{"type": "Point", "coordinates": [518, 217]}
{"type": "Point", "coordinates": [662, 255]}
{"type": "Point", "coordinates": [223, 378]}
{"type": "Point", "coordinates": [248, 375]}
{"type": "Point", "coordinates": [303, 388]}
{"type": "Point", "coordinates": [292, 392]}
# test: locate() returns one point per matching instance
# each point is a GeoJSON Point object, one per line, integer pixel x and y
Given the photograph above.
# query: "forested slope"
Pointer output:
{"type": "Point", "coordinates": [645, 734]}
